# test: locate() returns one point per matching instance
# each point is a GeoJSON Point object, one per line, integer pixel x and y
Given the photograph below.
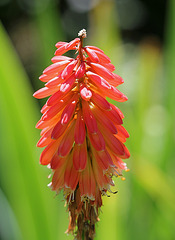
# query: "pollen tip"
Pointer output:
{"type": "Point", "coordinates": [49, 166]}
{"type": "Point", "coordinates": [127, 170]}
{"type": "Point", "coordinates": [123, 178]}
{"type": "Point", "coordinates": [82, 33]}
{"type": "Point", "coordinates": [49, 176]}
{"type": "Point", "coordinates": [49, 185]}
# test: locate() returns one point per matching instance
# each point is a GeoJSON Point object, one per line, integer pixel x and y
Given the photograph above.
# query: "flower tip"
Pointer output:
{"type": "Point", "coordinates": [38, 144]}
{"type": "Point", "coordinates": [41, 77]}
{"type": "Point", "coordinates": [38, 124]}
{"type": "Point", "coordinates": [35, 94]}
{"type": "Point", "coordinates": [124, 98]}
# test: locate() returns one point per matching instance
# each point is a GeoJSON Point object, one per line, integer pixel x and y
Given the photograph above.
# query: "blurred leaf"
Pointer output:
{"type": "Point", "coordinates": [22, 179]}
{"type": "Point", "coordinates": [49, 32]}
{"type": "Point", "coordinates": [9, 228]}
{"type": "Point", "coordinates": [156, 183]}
{"type": "Point", "coordinates": [105, 32]}
{"type": "Point", "coordinates": [169, 99]}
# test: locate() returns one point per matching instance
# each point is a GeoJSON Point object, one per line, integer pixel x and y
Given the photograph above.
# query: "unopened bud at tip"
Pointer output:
{"type": "Point", "coordinates": [82, 33]}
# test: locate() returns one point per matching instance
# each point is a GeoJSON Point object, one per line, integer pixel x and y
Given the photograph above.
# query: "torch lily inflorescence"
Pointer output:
{"type": "Point", "coordinates": [82, 132]}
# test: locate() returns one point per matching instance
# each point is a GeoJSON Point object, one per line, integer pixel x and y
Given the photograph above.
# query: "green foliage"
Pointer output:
{"type": "Point", "coordinates": [23, 180]}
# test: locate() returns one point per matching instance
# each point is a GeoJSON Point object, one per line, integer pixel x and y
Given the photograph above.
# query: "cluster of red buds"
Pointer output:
{"type": "Point", "coordinates": [82, 132]}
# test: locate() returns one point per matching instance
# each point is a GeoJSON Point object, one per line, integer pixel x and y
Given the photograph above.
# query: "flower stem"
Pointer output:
{"type": "Point", "coordinates": [80, 49]}
{"type": "Point", "coordinates": [83, 235]}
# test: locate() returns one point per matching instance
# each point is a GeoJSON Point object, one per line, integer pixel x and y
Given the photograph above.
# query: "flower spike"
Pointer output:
{"type": "Point", "coordinates": [82, 132]}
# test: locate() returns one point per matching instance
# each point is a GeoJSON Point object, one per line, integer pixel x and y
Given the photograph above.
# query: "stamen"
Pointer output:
{"type": "Point", "coordinates": [109, 190]}
{"type": "Point", "coordinates": [116, 172]}
{"type": "Point", "coordinates": [50, 175]}
{"type": "Point", "coordinates": [104, 193]}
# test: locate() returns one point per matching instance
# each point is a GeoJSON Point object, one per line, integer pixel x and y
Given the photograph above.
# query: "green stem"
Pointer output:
{"type": "Point", "coordinates": [83, 235]}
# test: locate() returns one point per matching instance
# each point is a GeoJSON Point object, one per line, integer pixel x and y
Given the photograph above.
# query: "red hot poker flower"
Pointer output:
{"type": "Point", "coordinates": [82, 132]}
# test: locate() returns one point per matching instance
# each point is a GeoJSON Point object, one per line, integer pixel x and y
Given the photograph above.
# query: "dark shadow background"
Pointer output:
{"type": "Point", "coordinates": [137, 20]}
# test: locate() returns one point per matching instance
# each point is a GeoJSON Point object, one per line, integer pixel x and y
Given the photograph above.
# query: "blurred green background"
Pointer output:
{"type": "Point", "coordinates": [139, 37]}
